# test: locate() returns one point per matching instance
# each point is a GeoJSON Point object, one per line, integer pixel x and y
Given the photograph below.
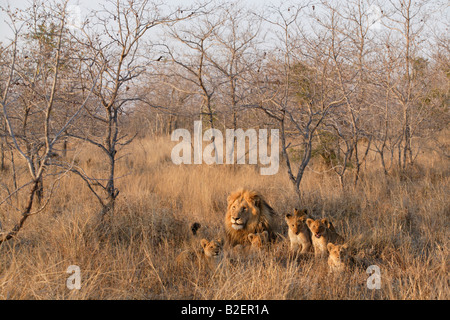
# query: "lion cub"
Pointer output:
{"type": "Point", "coordinates": [323, 232]}
{"type": "Point", "coordinates": [212, 252]}
{"type": "Point", "coordinates": [257, 241]}
{"type": "Point", "coordinates": [299, 234]}
{"type": "Point", "coordinates": [339, 258]}
{"type": "Point", "coordinates": [210, 256]}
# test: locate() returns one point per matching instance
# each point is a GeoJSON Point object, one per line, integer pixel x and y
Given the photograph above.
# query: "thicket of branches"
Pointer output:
{"type": "Point", "coordinates": [337, 80]}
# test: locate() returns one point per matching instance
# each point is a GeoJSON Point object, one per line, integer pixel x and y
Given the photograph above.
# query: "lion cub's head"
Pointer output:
{"type": "Point", "coordinates": [258, 240]}
{"type": "Point", "coordinates": [297, 221]}
{"type": "Point", "coordinates": [339, 256]}
{"type": "Point", "coordinates": [318, 227]}
{"type": "Point", "coordinates": [243, 209]}
{"type": "Point", "coordinates": [213, 248]}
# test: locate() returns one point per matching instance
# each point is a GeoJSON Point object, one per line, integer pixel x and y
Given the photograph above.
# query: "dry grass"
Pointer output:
{"type": "Point", "coordinates": [400, 223]}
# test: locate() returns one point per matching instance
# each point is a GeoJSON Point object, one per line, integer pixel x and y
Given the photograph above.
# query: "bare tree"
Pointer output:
{"type": "Point", "coordinates": [190, 54]}
{"type": "Point", "coordinates": [234, 55]}
{"type": "Point", "coordinates": [293, 89]}
{"type": "Point", "coordinates": [406, 18]}
{"type": "Point", "coordinates": [346, 29]}
{"type": "Point", "coordinates": [36, 155]}
{"type": "Point", "coordinates": [112, 43]}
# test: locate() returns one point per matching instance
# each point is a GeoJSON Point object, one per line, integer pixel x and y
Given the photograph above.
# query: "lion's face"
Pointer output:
{"type": "Point", "coordinates": [297, 221]}
{"type": "Point", "coordinates": [338, 253]}
{"type": "Point", "coordinates": [258, 240]}
{"type": "Point", "coordinates": [241, 210]}
{"type": "Point", "coordinates": [213, 248]}
{"type": "Point", "coordinates": [317, 227]}
{"type": "Point", "coordinates": [247, 212]}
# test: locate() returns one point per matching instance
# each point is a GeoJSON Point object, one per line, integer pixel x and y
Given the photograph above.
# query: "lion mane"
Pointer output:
{"type": "Point", "coordinates": [247, 213]}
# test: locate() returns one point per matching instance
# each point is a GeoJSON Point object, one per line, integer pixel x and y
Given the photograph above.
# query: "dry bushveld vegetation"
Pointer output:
{"type": "Point", "coordinates": [358, 92]}
{"type": "Point", "coordinates": [401, 223]}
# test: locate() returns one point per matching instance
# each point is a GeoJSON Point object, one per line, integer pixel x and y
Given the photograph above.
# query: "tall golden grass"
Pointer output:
{"type": "Point", "coordinates": [399, 222]}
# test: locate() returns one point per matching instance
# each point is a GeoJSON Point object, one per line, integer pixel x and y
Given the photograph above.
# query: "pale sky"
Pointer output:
{"type": "Point", "coordinates": [88, 5]}
{"type": "Point", "coordinates": [5, 31]}
{"type": "Point", "coordinates": [440, 21]}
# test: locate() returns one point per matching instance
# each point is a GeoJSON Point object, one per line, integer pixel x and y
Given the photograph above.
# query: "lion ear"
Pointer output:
{"type": "Point", "coordinates": [330, 246]}
{"type": "Point", "coordinates": [220, 241]}
{"type": "Point", "coordinates": [251, 236]}
{"type": "Point", "coordinates": [288, 215]}
{"type": "Point", "coordinates": [325, 222]}
{"type": "Point", "coordinates": [194, 227]}
{"type": "Point", "coordinates": [345, 246]}
{"type": "Point", "coordinates": [309, 221]}
{"type": "Point", "coordinates": [256, 199]}
{"type": "Point", "coordinates": [204, 243]}
{"type": "Point", "coordinates": [328, 224]}
{"type": "Point", "coordinates": [300, 212]}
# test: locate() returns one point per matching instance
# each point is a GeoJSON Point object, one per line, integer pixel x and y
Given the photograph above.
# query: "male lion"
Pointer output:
{"type": "Point", "coordinates": [247, 213]}
{"type": "Point", "coordinates": [299, 233]}
{"type": "Point", "coordinates": [323, 232]}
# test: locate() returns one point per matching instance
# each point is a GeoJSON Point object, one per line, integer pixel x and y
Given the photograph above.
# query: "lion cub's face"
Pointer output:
{"type": "Point", "coordinates": [317, 227]}
{"type": "Point", "coordinates": [338, 256]}
{"type": "Point", "coordinates": [241, 211]}
{"type": "Point", "coordinates": [213, 248]}
{"type": "Point", "coordinates": [297, 221]}
{"type": "Point", "coordinates": [258, 240]}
